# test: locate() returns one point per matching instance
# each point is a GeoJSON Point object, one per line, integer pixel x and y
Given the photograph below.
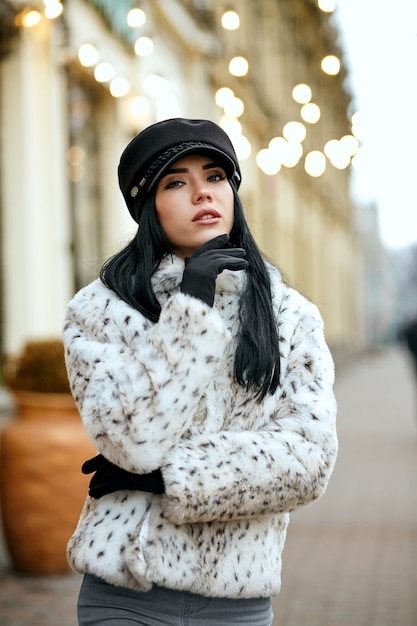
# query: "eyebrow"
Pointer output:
{"type": "Point", "coordinates": [184, 170]}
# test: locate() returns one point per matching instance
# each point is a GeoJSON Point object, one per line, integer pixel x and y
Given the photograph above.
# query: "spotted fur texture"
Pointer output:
{"type": "Point", "coordinates": [163, 395]}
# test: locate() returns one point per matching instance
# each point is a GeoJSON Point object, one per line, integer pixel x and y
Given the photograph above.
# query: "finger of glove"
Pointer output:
{"type": "Point", "coordinates": [210, 255]}
{"type": "Point", "coordinates": [233, 264]}
{"type": "Point", "coordinates": [207, 263]}
{"type": "Point", "coordinates": [100, 485]}
{"type": "Point", "coordinates": [92, 465]}
{"type": "Point", "coordinates": [104, 475]}
{"type": "Point", "coordinates": [97, 492]}
{"type": "Point", "coordinates": [213, 262]}
{"type": "Point", "coordinates": [213, 244]}
{"type": "Point", "coordinates": [104, 483]}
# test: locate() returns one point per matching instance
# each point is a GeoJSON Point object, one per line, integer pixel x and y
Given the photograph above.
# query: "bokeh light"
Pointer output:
{"type": "Point", "coordinates": [136, 18]}
{"type": "Point", "coordinates": [268, 162]}
{"type": "Point", "coordinates": [301, 93]}
{"type": "Point", "coordinates": [315, 163]}
{"type": "Point", "coordinates": [139, 106]}
{"type": "Point", "coordinates": [310, 113]}
{"type": "Point", "coordinates": [242, 146]}
{"type": "Point", "coordinates": [28, 18]}
{"type": "Point", "coordinates": [224, 95]}
{"type": "Point", "coordinates": [330, 64]}
{"type": "Point", "coordinates": [119, 87]}
{"type": "Point", "coordinates": [238, 66]}
{"type": "Point", "coordinates": [104, 72]}
{"type": "Point", "coordinates": [88, 55]}
{"type": "Point", "coordinates": [234, 107]}
{"type": "Point", "coordinates": [53, 9]}
{"type": "Point", "coordinates": [144, 46]}
{"type": "Point", "coordinates": [230, 20]}
{"type": "Point", "coordinates": [327, 6]}
{"type": "Point", "coordinates": [294, 131]}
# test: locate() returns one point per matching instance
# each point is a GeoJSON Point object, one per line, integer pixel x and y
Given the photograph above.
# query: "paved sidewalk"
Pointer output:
{"type": "Point", "coordinates": [350, 559]}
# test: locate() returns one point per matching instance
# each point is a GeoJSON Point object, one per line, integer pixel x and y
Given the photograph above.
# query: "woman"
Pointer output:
{"type": "Point", "coordinates": [205, 384]}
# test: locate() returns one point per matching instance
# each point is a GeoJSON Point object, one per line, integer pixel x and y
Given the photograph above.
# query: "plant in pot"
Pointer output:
{"type": "Point", "coordinates": [37, 377]}
{"type": "Point", "coordinates": [42, 449]}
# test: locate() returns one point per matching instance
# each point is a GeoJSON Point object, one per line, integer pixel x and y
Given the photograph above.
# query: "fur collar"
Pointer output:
{"type": "Point", "coordinates": [168, 276]}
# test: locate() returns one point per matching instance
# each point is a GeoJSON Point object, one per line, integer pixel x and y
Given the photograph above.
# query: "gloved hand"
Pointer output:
{"type": "Point", "coordinates": [108, 478]}
{"type": "Point", "coordinates": [207, 262]}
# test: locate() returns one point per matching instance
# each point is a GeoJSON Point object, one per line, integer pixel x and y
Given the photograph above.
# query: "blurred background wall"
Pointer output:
{"type": "Point", "coordinates": [79, 78]}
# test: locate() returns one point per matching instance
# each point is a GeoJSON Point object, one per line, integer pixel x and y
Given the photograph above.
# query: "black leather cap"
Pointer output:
{"type": "Point", "coordinates": [155, 148]}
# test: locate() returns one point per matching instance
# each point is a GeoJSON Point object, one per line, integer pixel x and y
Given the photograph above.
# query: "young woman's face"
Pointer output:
{"type": "Point", "coordinates": [194, 203]}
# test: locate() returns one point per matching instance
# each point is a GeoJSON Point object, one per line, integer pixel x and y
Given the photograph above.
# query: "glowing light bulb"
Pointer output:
{"type": "Point", "coordinates": [242, 147]}
{"type": "Point", "coordinates": [340, 160]}
{"type": "Point", "coordinates": [139, 106]}
{"type": "Point", "coordinates": [339, 152]}
{"type": "Point", "coordinates": [136, 18]}
{"type": "Point", "coordinates": [350, 144]}
{"type": "Point", "coordinates": [315, 163]}
{"type": "Point", "coordinates": [28, 18]}
{"type": "Point", "coordinates": [301, 93]}
{"type": "Point", "coordinates": [53, 9]}
{"type": "Point", "coordinates": [155, 85]}
{"type": "Point", "coordinates": [119, 87]}
{"type": "Point", "coordinates": [294, 131]}
{"type": "Point", "coordinates": [144, 46]}
{"type": "Point", "coordinates": [310, 113]}
{"type": "Point", "coordinates": [167, 106]}
{"type": "Point", "coordinates": [277, 145]}
{"type": "Point", "coordinates": [330, 64]}
{"type": "Point", "coordinates": [230, 125]}
{"type": "Point", "coordinates": [234, 107]}
{"type": "Point", "coordinates": [327, 6]}
{"type": "Point", "coordinates": [291, 153]}
{"type": "Point", "coordinates": [104, 72]}
{"type": "Point", "coordinates": [331, 148]}
{"type": "Point", "coordinates": [230, 20]}
{"type": "Point", "coordinates": [238, 66]}
{"type": "Point", "coordinates": [223, 95]}
{"type": "Point", "coordinates": [88, 55]}
{"type": "Point", "coordinates": [268, 162]}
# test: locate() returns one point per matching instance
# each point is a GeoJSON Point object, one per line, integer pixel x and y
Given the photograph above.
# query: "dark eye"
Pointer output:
{"type": "Point", "coordinates": [214, 178]}
{"type": "Point", "coordinates": [173, 183]}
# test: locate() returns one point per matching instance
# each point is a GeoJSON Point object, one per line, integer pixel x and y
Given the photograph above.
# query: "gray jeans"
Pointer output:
{"type": "Point", "coordinates": [101, 604]}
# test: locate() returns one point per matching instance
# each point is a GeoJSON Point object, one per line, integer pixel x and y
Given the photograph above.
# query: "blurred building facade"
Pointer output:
{"type": "Point", "coordinates": [381, 286]}
{"type": "Point", "coordinates": [76, 85]}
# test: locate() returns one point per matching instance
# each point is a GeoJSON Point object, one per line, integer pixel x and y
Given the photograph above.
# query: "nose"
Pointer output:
{"type": "Point", "coordinates": [202, 192]}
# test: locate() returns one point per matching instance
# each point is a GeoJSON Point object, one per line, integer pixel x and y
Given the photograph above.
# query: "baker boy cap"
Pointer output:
{"type": "Point", "coordinates": [155, 148]}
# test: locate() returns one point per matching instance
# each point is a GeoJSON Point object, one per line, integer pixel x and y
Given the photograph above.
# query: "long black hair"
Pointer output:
{"type": "Point", "coordinates": [129, 273]}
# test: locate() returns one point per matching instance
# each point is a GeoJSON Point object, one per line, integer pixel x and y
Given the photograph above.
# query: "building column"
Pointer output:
{"type": "Point", "coordinates": [36, 228]}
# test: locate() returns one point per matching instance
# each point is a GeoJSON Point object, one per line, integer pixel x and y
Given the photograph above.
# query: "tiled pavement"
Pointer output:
{"type": "Point", "coordinates": [350, 559]}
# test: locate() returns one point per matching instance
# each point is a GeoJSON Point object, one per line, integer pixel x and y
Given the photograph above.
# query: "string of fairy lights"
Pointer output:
{"type": "Point", "coordinates": [287, 150]}
{"type": "Point", "coordinates": [283, 151]}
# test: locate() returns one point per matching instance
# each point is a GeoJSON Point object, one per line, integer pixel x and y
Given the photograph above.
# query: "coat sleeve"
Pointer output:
{"type": "Point", "coordinates": [131, 379]}
{"type": "Point", "coordinates": [286, 464]}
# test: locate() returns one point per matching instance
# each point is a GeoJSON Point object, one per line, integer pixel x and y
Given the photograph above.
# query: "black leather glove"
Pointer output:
{"type": "Point", "coordinates": [108, 478]}
{"type": "Point", "coordinates": [207, 262]}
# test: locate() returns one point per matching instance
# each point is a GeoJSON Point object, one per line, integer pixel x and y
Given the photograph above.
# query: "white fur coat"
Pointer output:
{"type": "Point", "coordinates": [163, 396]}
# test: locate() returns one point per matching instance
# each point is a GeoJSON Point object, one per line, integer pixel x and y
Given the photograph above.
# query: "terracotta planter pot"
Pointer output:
{"type": "Point", "coordinates": [34, 405]}
{"type": "Point", "coordinates": [42, 487]}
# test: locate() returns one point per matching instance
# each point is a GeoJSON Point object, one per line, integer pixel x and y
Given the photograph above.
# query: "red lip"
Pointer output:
{"type": "Point", "coordinates": [204, 212]}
